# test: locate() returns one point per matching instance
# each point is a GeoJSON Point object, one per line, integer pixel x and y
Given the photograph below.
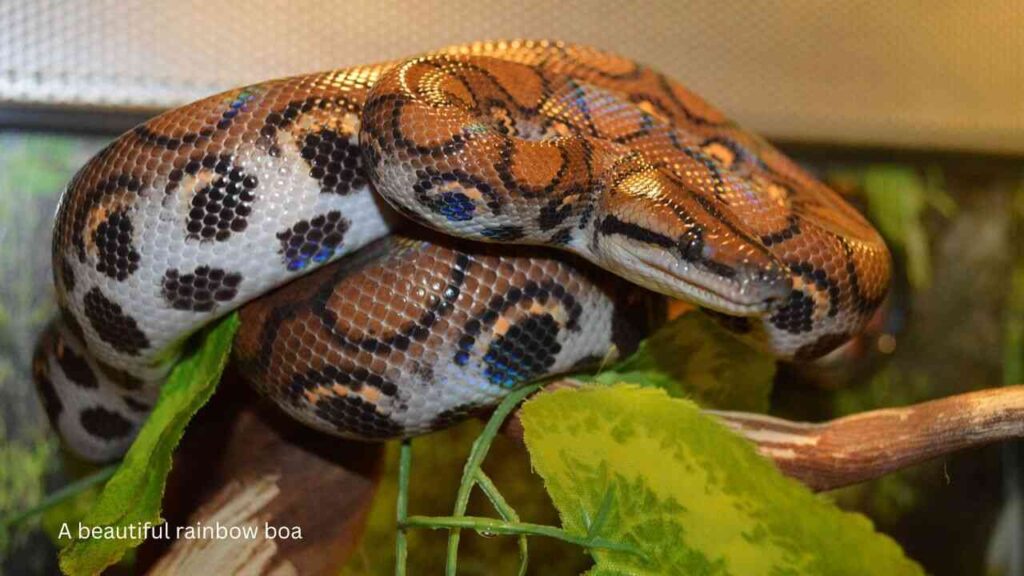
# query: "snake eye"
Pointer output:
{"type": "Point", "coordinates": [691, 245]}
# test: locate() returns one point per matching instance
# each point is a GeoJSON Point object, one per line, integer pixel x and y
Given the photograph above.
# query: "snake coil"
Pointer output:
{"type": "Point", "coordinates": [550, 161]}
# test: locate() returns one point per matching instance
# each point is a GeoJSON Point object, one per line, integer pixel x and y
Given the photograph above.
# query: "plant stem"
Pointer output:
{"type": "Point", "coordinates": [65, 493]}
{"type": "Point", "coordinates": [402, 506]}
{"type": "Point", "coordinates": [476, 456]}
{"type": "Point", "coordinates": [493, 526]}
{"type": "Point", "coordinates": [506, 512]}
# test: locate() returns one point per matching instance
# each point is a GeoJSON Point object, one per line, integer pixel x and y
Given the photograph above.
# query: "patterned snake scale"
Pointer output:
{"type": "Point", "coordinates": [565, 159]}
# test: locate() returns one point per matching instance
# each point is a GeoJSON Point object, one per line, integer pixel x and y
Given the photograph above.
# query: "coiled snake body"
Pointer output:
{"type": "Point", "coordinates": [590, 158]}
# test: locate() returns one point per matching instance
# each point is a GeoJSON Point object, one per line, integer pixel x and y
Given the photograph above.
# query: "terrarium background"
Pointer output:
{"type": "Point", "coordinates": [932, 89]}
{"type": "Point", "coordinates": [942, 73]}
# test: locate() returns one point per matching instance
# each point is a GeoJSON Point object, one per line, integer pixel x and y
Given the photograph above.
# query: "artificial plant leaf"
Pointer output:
{"type": "Point", "coordinates": [693, 357]}
{"type": "Point", "coordinates": [131, 498]}
{"type": "Point", "coordinates": [633, 466]}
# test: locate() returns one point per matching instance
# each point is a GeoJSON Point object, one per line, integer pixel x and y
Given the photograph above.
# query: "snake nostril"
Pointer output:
{"type": "Point", "coordinates": [773, 284]}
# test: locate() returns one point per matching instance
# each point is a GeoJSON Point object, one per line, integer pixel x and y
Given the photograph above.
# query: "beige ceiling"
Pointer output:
{"type": "Point", "coordinates": [939, 73]}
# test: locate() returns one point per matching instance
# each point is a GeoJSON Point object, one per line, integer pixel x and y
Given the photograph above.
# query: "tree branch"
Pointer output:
{"type": "Point", "coordinates": [863, 446]}
{"type": "Point", "coordinates": [245, 464]}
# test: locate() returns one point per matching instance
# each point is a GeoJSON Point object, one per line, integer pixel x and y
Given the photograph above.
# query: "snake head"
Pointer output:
{"type": "Point", "coordinates": [652, 231]}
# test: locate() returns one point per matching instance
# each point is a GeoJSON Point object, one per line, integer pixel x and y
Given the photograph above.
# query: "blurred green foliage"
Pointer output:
{"type": "Point", "coordinates": [22, 466]}
{"type": "Point", "coordinates": [954, 333]}
{"type": "Point", "coordinates": [34, 168]}
{"type": "Point", "coordinates": [692, 357]}
{"type": "Point", "coordinates": [898, 198]}
{"type": "Point", "coordinates": [39, 165]}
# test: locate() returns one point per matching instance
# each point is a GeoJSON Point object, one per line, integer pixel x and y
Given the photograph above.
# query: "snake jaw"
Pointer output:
{"type": "Point", "coordinates": [750, 291]}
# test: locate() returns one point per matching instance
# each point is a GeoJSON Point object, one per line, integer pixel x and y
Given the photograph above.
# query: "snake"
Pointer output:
{"type": "Point", "coordinates": [409, 241]}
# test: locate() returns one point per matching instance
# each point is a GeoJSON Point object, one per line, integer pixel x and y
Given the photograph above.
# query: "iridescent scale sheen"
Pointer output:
{"type": "Point", "coordinates": [215, 204]}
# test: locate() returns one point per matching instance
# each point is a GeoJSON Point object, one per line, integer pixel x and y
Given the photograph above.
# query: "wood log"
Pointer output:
{"type": "Point", "coordinates": [856, 448]}
{"type": "Point", "coordinates": [243, 463]}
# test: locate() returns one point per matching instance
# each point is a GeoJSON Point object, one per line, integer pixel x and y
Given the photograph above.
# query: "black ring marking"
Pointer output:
{"type": "Point", "coordinates": [504, 169]}
{"type": "Point", "coordinates": [561, 237]}
{"type": "Point", "coordinates": [71, 323]}
{"type": "Point", "coordinates": [556, 211]}
{"type": "Point", "coordinates": [112, 325]}
{"type": "Point", "coordinates": [105, 424]}
{"type": "Point", "coordinates": [120, 377]}
{"type": "Point", "coordinates": [632, 74]}
{"type": "Point", "coordinates": [525, 351]}
{"type": "Point", "coordinates": [91, 199]}
{"type": "Point", "coordinates": [453, 204]}
{"type": "Point", "coordinates": [351, 413]}
{"type": "Point", "coordinates": [796, 314]}
{"type": "Point", "coordinates": [666, 86]}
{"type": "Point", "coordinates": [76, 368]}
{"type": "Point", "coordinates": [348, 413]}
{"type": "Point", "coordinates": [336, 163]}
{"type": "Point", "coordinates": [817, 276]}
{"type": "Point", "coordinates": [862, 304]}
{"type": "Point", "coordinates": [792, 229]}
{"type": "Point", "coordinates": [499, 304]}
{"type": "Point", "coordinates": [354, 379]}
{"type": "Point", "coordinates": [503, 233]}
{"type": "Point", "coordinates": [67, 275]}
{"type": "Point", "coordinates": [377, 105]}
{"type": "Point", "coordinates": [221, 207]}
{"type": "Point", "coordinates": [312, 241]}
{"type": "Point", "coordinates": [135, 405]}
{"type": "Point", "coordinates": [417, 330]}
{"type": "Point", "coordinates": [117, 256]}
{"type": "Point", "coordinates": [199, 290]}
{"type": "Point", "coordinates": [450, 416]}
{"type": "Point", "coordinates": [41, 375]}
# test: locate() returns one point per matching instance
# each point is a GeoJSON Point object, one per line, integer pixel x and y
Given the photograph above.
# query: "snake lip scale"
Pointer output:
{"type": "Point", "coordinates": [408, 241]}
{"type": "Point", "coordinates": [739, 299]}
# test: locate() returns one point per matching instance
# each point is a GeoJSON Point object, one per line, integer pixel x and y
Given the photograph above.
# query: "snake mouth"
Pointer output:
{"type": "Point", "coordinates": [750, 292]}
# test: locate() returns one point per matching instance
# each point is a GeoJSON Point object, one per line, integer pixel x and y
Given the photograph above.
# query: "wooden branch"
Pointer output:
{"type": "Point", "coordinates": [871, 444]}
{"type": "Point", "coordinates": [244, 506]}
{"type": "Point", "coordinates": [245, 465]}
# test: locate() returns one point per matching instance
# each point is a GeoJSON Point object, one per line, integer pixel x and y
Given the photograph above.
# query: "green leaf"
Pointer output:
{"type": "Point", "coordinates": [132, 496]}
{"type": "Point", "coordinates": [693, 357]}
{"type": "Point", "coordinates": [692, 496]}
